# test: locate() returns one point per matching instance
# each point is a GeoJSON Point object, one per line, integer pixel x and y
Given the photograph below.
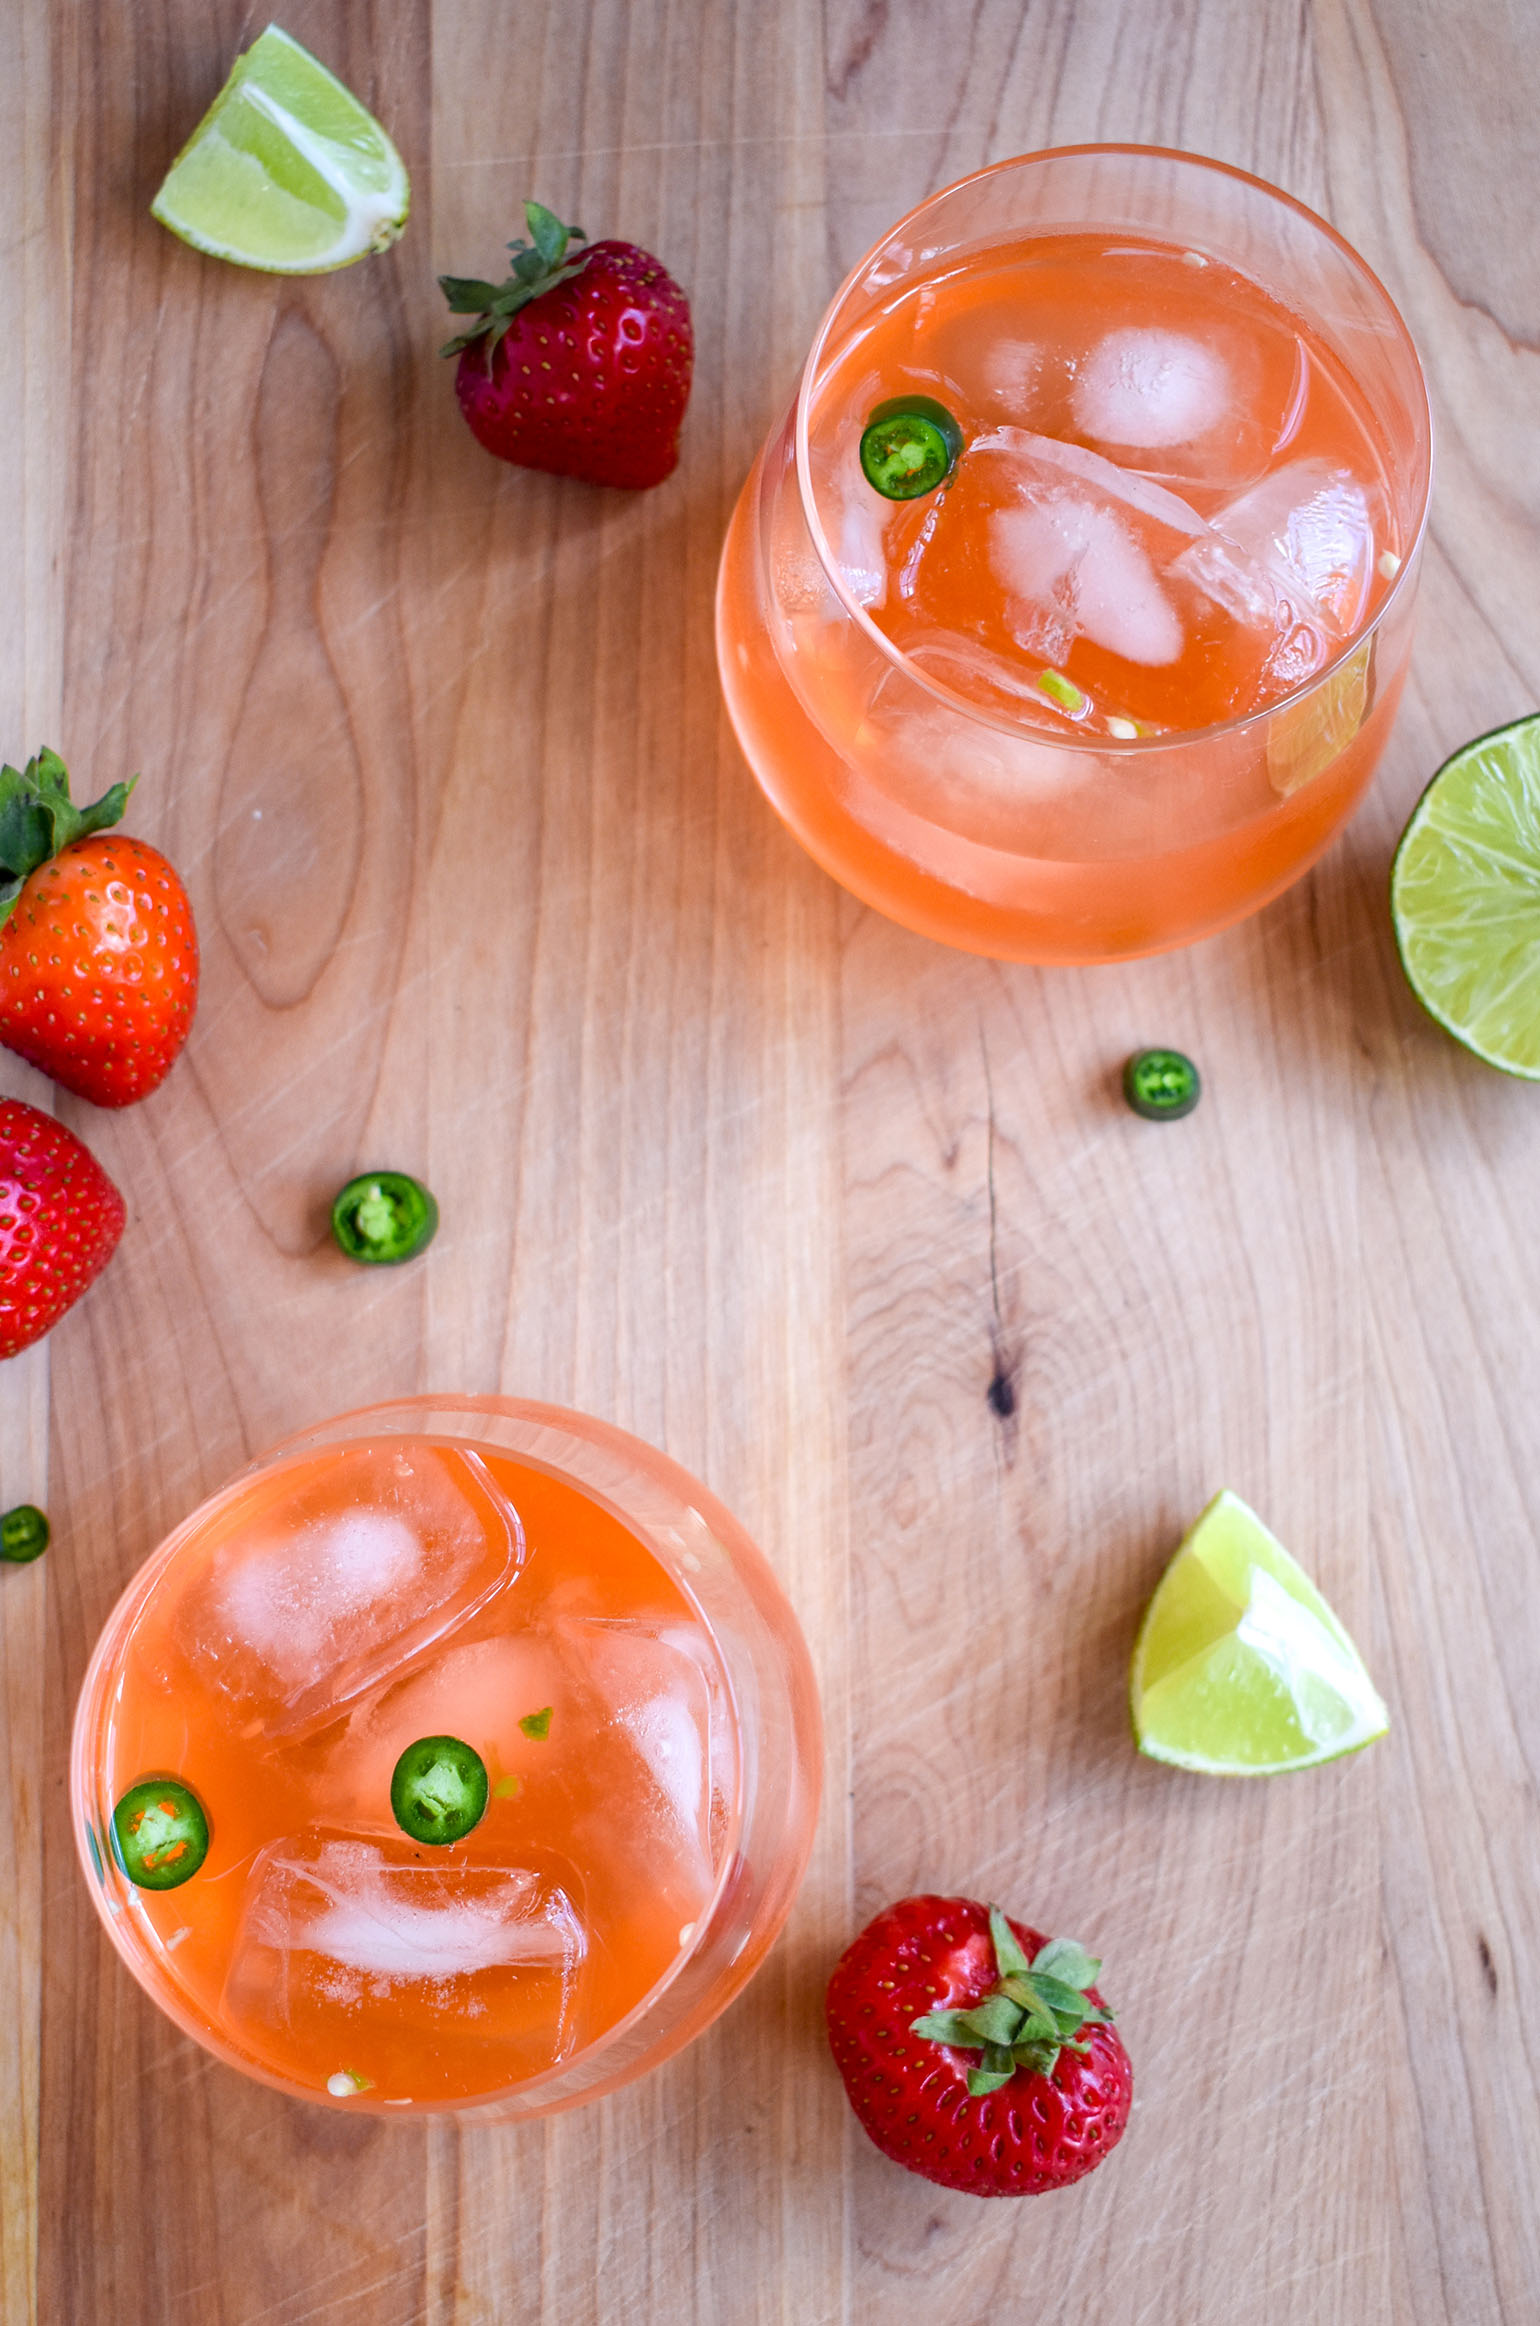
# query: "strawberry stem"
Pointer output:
{"type": "Point", "coordinates": [538, 266]}
{"type": "Point", "coordinates": [38, 818]}
{"type": "Point", "coordinates": [1035, 2011]}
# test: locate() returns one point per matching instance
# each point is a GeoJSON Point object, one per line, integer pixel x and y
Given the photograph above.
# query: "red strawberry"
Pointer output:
{"type": "Point", "coordinates": [977, 2052]}
{"type": "Point", "coordinates": [578, 365]}
{"type": "Point", "coordinates": [60, 1220]}
{"type": "Point", "coordinates": [98, 953]}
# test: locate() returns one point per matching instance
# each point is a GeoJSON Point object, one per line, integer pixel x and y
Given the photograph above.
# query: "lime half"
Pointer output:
{"type": "Point", "coordinates": [1465, 897]}
{"type": "Point", "coordinates": [286, 170]}
{"type": "Point", "coordinates": [1241, 1668]}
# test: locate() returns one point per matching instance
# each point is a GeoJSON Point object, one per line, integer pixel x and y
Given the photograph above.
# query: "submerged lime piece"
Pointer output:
{"type": "Point", "coordinates": [439, 1790]}
{"type": "Point", "coordinates": [286, 171]}
{"type": "Point", "coordinates": [1241, 1668]}
{"type": "Point", "coordinates": [1161, 1085]}
{"type": "Point", "coordinates": [909, 446]}
{"type": "Point", "coordinates": [160, 1833]}
{"type": "Point", "coordinates": [384, 1217]}
{"type": "Point", "coordinates": [23, 1533]}
{"type": "Point", "coordinates": [1465, 898]}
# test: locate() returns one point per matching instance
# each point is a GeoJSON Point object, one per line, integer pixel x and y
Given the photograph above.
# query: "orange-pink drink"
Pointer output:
{"type": "Point", "coordinates": [1115, 679]}
{"type": "Point", "coordinates": [325, 1615]}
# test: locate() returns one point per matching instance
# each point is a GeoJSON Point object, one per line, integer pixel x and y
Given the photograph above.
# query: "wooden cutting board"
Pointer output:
{"type": "Point", "coordinates": [486, 892]}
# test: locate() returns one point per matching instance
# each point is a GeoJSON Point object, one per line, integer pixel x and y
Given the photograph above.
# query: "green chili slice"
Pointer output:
{"type": "Point", "coordinates": [439, 1789]}
{"type": "Point", "coordinates": [23, 1533]}
{"type": "Point", "coordinates": [909, 446]}
{"type": "Point", "coordinates": [383, 1217]}
{"type": "Point", "coordinates": [1161, 1085]}
{"type": "Point", "coordinates": [160, 1834]}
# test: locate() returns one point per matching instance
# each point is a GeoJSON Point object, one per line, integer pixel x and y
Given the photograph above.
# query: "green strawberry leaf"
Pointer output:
{"type": "Point", "coordinates": [548, 234]}
{"type": "Point", "coordinates": [997, 2069]}
{"type": "Point", "coordinates": [1053, 1995]}
{"type": "Point", "coordinates": [1009, 1959]}
{"type": "Point", "coordinates": [1066, 1959]}
{"type": "Point", "coordinates": [467, 294]}
{"type": "Point", "coordinates": [1039, 2059]}
{"type": "Point", "coordinates": [996, 2019]}
{"type": "Point", "coordinates": [947, 2027]}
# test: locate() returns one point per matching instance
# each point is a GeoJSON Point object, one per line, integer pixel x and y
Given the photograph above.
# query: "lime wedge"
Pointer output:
{"type": "Point", "coordinates": [1465, 897]}
{"type": "Point", "coordinates": [286, 170]}
{"type": "Point", "coordinates": [1241, 1668]}
{"type": "Point", "coordinates": [1305, 737]}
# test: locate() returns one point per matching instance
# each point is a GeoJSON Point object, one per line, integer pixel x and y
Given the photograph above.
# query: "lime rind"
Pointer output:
{"type": "Point", "coordinates": [287, 171]}
{"type": "Point", "coordinates": [1241, 1667]}
{"type": "Point", "coordinates": [1465, 898]}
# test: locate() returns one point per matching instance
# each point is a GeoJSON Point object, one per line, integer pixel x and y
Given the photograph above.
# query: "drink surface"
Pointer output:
{"type": "Point", "coordinates": [338, 1608]}
{"type": "Point", "coordinates": [1170, 511]}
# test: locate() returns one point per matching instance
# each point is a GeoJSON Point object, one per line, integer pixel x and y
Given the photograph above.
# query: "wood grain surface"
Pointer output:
{"type": "Point", "coordinates": [486, 892]}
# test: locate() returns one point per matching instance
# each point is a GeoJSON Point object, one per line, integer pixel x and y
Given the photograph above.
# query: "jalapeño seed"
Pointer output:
{"type": "Point", "coordinates": [439, 1790]}
{"type": "Point", "coordinates": [160, 1833]}
{"type": "Point", "coordinates": [1161, 1085]}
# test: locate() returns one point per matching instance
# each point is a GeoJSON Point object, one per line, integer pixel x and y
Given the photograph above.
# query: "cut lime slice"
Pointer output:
{"type": "Point", "coordinates": [1241, 1668]}
{"type": "Point", "coordinates": [1465, 897]}
{"type": "Point", "coordinates": [1305, 737]}
{"type": "Point", "coordinates": [286, 170]}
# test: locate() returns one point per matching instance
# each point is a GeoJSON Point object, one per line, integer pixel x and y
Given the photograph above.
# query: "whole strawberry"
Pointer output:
{"type": "Point", "coordinates": [60, 1220]}
{"type": "Point", "coordinates": [581, 365]}
{"type": "Point", "coordinates": [98, 952]}
{"type": "Point", "coordinates": [977, 2052]}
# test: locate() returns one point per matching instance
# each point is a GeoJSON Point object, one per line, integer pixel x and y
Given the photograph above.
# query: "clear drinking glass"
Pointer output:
{"type": "Point", "coordinates": [276, 1645]}
{"type": "Point", "coordinates": [985, 829]}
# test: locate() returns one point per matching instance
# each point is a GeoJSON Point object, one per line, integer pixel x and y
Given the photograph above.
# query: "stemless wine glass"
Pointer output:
{"type": "Point", "coordinates": [606, 1652]}
{"type": "Point", "coordinates": [983, 829]}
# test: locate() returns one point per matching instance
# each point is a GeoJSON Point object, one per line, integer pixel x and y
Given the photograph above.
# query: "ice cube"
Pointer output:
{"type": "Point", "coordinates": [859, 548]}
{"type": "Point", "coordinates": [658, 1724]}
{"type": "Point", "coordinates": [1010, 376]}
{"type": "Point", "coordinates": [1310, 526]}
{"type": "Point", "coordinates": [339, 1569]}
{"type": "Point", "coordinates": [330, 1922]}
{"type": "Point", "coordinates": [1075, 544]}
{"type": "Point", "coordinates": [1292, 561]}
{"type": "Point", "coordinates": [475, 1688]}
{"type": "Point", "coordinates": [1148, 389]}
{"type": "Point", "coordinates": [1075, 569]}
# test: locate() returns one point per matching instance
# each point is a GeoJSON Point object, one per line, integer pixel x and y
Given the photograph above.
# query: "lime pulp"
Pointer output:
{"type": "Point", "coordinates": [286, 171]}
{"type": "Point", "coordinates": [1465, 897]}
{"type": "Point", "coordinates": [1241, 1668]}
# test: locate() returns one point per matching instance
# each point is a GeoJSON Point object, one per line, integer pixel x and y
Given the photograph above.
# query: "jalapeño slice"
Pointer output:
{"type": "Point", "coordinates": [383, 1216]}
{"type": "Point", "coordinates": [1161, 1085]}
{"type": "Point", "coordinates": [439, 1790]}
{"type": "Point", "coordinates": [23, 1533]}
{"type": "Point", "coordinates": [160, 1834]}
{"type": "Point", "coordinates": [909, 446]}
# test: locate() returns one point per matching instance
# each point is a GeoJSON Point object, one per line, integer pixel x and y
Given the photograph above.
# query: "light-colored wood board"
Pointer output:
{"type": "Point", "coordinates": [36, 76]}
{"type": "Point", "coordinates": [486, 891]}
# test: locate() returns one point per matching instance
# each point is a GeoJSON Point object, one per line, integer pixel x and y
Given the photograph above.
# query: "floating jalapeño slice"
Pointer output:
{"type": "Point", "coordinates": [23, 1533]}
{"type": "Point", "coordinates": [1161, 1085]}
{"type": "Point", "coordinates": [909, 446]}
{"type": "Point", "coordinates": [383, 1216]}
{"type": "Point", "coordinates": [160, 1834]}
{"type": "Point", "coordinates": [439, 1790]}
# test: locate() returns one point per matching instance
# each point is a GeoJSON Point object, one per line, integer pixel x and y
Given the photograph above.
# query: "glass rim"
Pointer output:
{"type": "Point", "coordinates": [142, 1961]}
{"type": "Point", "coordinates": [1000, 722]}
